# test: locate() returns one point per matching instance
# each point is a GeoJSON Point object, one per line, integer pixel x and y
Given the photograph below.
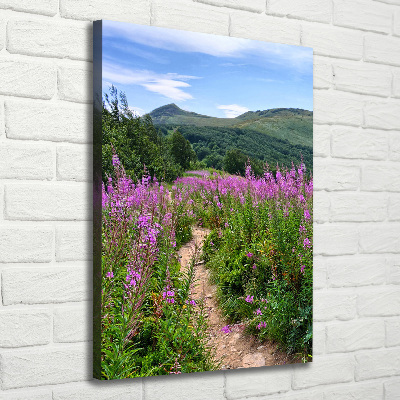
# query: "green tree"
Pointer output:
{"type": "Point", "coordinates": [235, 162]}
{"type": "Point", "coordinates": [136, 141]}
{"type": "Point", "coordinates": [181, 150]}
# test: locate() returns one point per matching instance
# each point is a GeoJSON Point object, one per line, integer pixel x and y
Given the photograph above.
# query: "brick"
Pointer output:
{"type": "Point", "coordinates": [382, 49]}
{"type": "Point", "coordinates": [321, 207]}
{"type": "Point", "coordinates": [44, 367]}
{"type": "Point", "coordinates": [26, 244]}
{"type": "Point", "coordinates": [255, 5]}
{"type": "Point", "coordinates": [396, 23]}
{"type": "Point", "coordinates": [74, 243]}
{"type": "Point", "coordinates": [75, 84]}
{"type": "Point", "coordinates": [322, 140]}
{"type": "Point", "coordinates": [1, 202]}
{"type": "Point", "coordinates": [350, 336]}
{"type": "Point", "coordinates": [100, 390]}
{"type": "Point", "coordinates": [45, 7]}
{"type": "Point", "coordinates": [382, 114]}
{"type": "Point", "coordinates": [380, 177]}
{"type": "Point", "coordinates": [379, 301]}
{"type": "Point", "coordinates": [358, 207]}
{"type": "Point", "coordinates": [330, 369]}
{"type": "Point", "coordinates": [78, 331]}
{"type": "Point", "coordinates": [356, 143]}
{"type": "Point", "coordinates": [392, 389]}
{"type": "Point", "coordinates": [3, 23]}
{"type": "Point", "coordinates": [319, 338]}
{"type": "Point", "coordinates": [356, 271]}
{"type": "Point", "coordinates": [2, 124]}
{"type": "Point", "coordinates": [74, 163]}
{"type": "Point", "coordinates": [179, 14]}
{"type": "Point", "coordinates": [319, 272]}
{"type": "Point", "coordinates": [380, 238]}
{"type": "Point", "coordinates": [334, 305]}
{"type": "Point", "coordinates": [54, 202]}
{"type": "Point", "coordinates": [293, 395]}
{"type": "Point", "coordinates": [312, 10]}
{"type": "Point", "coordinates": [354, 391]}
{"type": "Point", "coordinates": [49, 121]}
{"type": "Point", "coordinates": [371, 79]}
{"type": "Point", "coordinates": [333, 107]}
{"type": "Point", "coordinates": [20, 328]}
{"type": "Point", "coordinates": [136, 11]}
{"type": "Point", "coordinates": [27, 79]}
{"type": "Point", "coordinates": [32, 394]}
{"type": "Point", "coordinates": [46, 38]}
{"type": "Point", "coordinates": [332, 41]}
{"type": "Point", "coordinates": [394, 146]}
{"type": "Point", "coordinates": [392, 327]}
{"type": "Point", "coordinates": [264, 27]}
{"type": "Point", "coordinates": [396, 83]}
{"type": "Point", "coordinates": [397, 2]}
{"type": "Point", "coordinates": [374, 17]}
{"type": "Point", "coordinates": [377, 364]}
{"type": "Point", "coordinates": [323, 73]}
{"type": "Point", "coordinates": [45, 285]}
{"type": "Point", "coordinates": [187, 385]}
{"type": "Point", "coordinates": [394, 207]}
{"type": "Point", "coordinates": [331, 239]}
{"type": "Point", "coordinates": [256, 382]}
{"type": "Point", "coordinates": [25, 161]}
{"type": "Point", "coordinates": [332, 176]}
{"type": "Point", "coordinates": [393, 270]}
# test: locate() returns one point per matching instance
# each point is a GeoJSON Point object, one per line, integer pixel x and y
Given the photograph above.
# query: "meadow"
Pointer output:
{"type": "Point", "coordinates": [259, 253]}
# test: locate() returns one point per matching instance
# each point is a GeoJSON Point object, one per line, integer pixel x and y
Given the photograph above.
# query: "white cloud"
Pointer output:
{"type": "Point", "coordinates": [233, 110]}
{"type": "Point", "coordinates": [170, 85]}
{"type": "Point", "coordinates": [137, 111]}
{"type": "Point", "coordinates": [169, 88]}
{"type": "Point", "coordinates": [296, 57]}
{"type": "Point", "coordinates": [175, 40]}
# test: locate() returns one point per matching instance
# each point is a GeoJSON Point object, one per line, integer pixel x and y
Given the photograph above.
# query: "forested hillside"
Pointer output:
{"type": "Point", "coordinates": [278, 136]}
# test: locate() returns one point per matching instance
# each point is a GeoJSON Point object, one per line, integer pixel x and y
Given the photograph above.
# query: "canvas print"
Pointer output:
{"type": "Point", "coordinates": [203, 202]}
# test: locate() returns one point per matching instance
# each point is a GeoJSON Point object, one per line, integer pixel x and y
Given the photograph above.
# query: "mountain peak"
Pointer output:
{"type": "Point", "coordinates": [161, 114]}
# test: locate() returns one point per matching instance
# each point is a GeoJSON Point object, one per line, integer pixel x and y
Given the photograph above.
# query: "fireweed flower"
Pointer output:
{"type": "Point", "coordinates": [307, 215]}
{"type": "Point", "coordinates": [302, 229]}
{"type": "Point", "coordinates": [302, 268]}
{"type": "Point", "coordinates": [254, 266]}
{"type": "Point", "coordinates": [250, 299]}
{"type": "Point", "coordinates": [258, 311]}
{"type": "Point", "coordinates": [226, 329]}
{"type": "Point", "coordinates": [306, 243]}
{"type": "Point", "coordinates": [262, 325]}
{"type": "Point", "coordinates": [168, 295]}
{"type": "Point", "coordinates": [110, 274]}
{"type": "Point", "coordinates": [249, 255]}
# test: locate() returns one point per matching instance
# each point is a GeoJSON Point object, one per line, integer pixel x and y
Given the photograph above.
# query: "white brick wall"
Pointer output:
{"type": "Point", "coordinates": [45, 197]}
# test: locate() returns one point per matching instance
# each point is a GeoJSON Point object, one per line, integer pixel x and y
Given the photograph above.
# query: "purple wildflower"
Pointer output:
{"type": "Point", "coordinates": [306, 243]}
{"type": "Point", "coordinates": [250, 299]}
{"type": "Point", "coordinates": [226, 329]}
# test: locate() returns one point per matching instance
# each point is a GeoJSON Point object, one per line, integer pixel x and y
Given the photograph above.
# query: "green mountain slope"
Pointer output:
{"type": "Point", "coordinates": [277, 135]}
{"type": "Point", "coordinates": [291, 124]}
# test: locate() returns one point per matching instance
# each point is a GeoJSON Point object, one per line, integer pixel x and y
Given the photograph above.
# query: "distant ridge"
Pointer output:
{"type": "Point", "coordinates": [277, 135]}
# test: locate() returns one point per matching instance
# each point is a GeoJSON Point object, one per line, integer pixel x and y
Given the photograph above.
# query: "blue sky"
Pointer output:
{"type": "Point", "coordinates": [214, 75]}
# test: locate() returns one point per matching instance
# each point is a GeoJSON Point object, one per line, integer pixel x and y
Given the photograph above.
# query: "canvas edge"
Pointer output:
{"type": "Point", "coordinates": [97, 193]}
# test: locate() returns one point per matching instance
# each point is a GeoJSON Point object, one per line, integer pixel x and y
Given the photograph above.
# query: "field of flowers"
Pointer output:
{"type": "Point", "coordinates": [259, 251]}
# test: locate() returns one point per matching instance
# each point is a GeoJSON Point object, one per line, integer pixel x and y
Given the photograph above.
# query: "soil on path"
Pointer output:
{"type": "Point", "coordinates": [234, 349]}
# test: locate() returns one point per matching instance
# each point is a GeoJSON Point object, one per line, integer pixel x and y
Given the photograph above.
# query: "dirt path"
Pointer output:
{"type": "Point", "coordinates": [234, 349]}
